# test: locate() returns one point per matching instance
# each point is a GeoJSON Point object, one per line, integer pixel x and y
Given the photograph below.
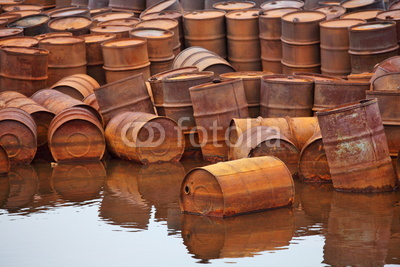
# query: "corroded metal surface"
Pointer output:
{"type": "Point", "coordinates": [388, 105]}
{"type": "Point", "coordinates": [331, 11]}
{"type": "Point", "coordinates": [32, 24]}
{"type": "Point", "coordinates": [235, 187]}
{"type": "Point", "coordinates": [163, 5]}
{"type": "Point", "coordinates": [91, 100]}
{"type": "Point", "coordinates": [77, 86]}
{"type": "Point", "coordinates": [21, 41]}
{"type": "Point", "coordinates": [273, 4]}
{"type": "Point", "coordinates": [392, 132]}
{"type": "Point", "coordinates": [4, 161]}
{"type": "Point", "coordinates": [356, 5]}
{"type": "Point", "coordinates": [388, 65]}
{"type": "Point", "coordinates": [120, 31]}
{"type": "Point", "coordinates": [138, 5]}
{"type": "Point", "coordinates": [77, 25]}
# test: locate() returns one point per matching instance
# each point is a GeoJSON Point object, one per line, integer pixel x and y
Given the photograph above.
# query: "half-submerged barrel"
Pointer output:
{"type": "Point", "coordinates": [236, 187]}
{"type": "Point", "coordinates": [75, 134]}
{"type": "Point", "coordinates": [144, 138]}
{"type": "Point", "coordinates": [356, 148]}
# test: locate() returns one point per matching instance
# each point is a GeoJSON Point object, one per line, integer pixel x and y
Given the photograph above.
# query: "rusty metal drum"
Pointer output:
{"type": "Point", "coordinates": [24, 13]}
{"type": "Point", "coordinates": [119, 30]}
{"type": "Point", "coordinates": [130, 22]}
{"type": "Point", "coordinates": [24, 6]}
{"type": "Point", "coordinates": [91, 100]}
{"type": "Point", "coordinates": [77, 86]}
{"type": "Point", "coordinates": [356, 148]}
{"type": "Point", "coordinates": [386, 82]}
{"type": "Point", "coordinates": [393, 15]}
{"type": "Point", "coordinates": [52, 34]}
{"type": "Point", "coordinates": [138, 5]}
{"type": "Point", "coordinates": [8, 32]}
{"type": "Point", "coordinates": [144, 138]}
{"type": "Point", "coordinates": [111, 16]}
{"type": "Point", "coordinates": [332, 12]}
{"type": "Point", "coordinates": [75, 134]}
{"type": "Point", "coordinates": [286, 95]}
{"type": "Point", "coordinates": [235, 187]}
{"type": "Point", "coordinates": [18, 135]}
{"type": "Point", "coordinates": [20, 41]}
{"type": "Point", "coordinates": [368, 15]}
{"type": "Point", "coordinates": [214, 105]}
{"type": "Point", "coordinates": [32, 24]}
{"type": "Point", "coordinates": [77, 25]}
{"type": "Point", "coordinates": [229, 6]}
{"type": "Point", "coordinates": [79, 11]}
{"type": "Point", "coordinates": [274, 4]}
{"type": "Point", "coordinates": [163, 5]}
{"type": "Point", "coordinates": [353, 5]}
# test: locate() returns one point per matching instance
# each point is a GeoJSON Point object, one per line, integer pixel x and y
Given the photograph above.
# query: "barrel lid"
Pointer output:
{"type": "Point", "coordinates": [356, 3]}
{"type": "Point", "coordinates": [372, 26]}
{"type": "Point", "coordinates": [364, 14]}
{"type": "Point", "coordinates": [172, 14]}
{"type": "Point", "coordinates": [10, 31]}
{"type": "Point", "coordinates": [62, 40]}
{"type": "Point", "coordinates": [30, 21]}
{"type": "Point", "coordinates": [278, 12]}
{"type": "Point", "coordinates": [110, 28]}
{"type": "Point", "coordinates": [163, 23]}
{"type": "Point", "coordinates": [26, 50]}
{"type": "Point", "coordinates": [151, 32]}
{"type": "Point", "coordinates": [233, 5]}
{"type": "Point", "coordinates": [341, 23]}
{"type": "Point", "coordinates": [25, 13]}
{"type": "Point", "coordinates": [282, 3]}
{"type": "Point", "coordinates": [98, 37]}
{"type": "Point", "coordinates": [70, 12]}
{"type": "Point", "coordinates": [304, 16]}
{"type": "Point", "coordinates": [204, 14]}
{"type": "Point", "coordinates": [288, 78]}
{"type": "Point", "coordinates": [389, 15]}
{"type": "Point", "coordinates": [122, 22]}
{"type": "Point", "coordinates": [124, 42]}
{"type": "Point", "coordinates": [245, 74]}
{"type": "Point", "coordinates": [243, 14]}
{"type": "Point", "coordinates": [113, 15]}
{"type": "Point", "coordinates": [69, 23]}
{"type": "Point", "coordinates": [52, 34]}
{"type": "Point", "coordinates": [332, 11]}
{"type": "Point", "coordinates": [21, 41]}
{"type": "Point", "coordinates": [22, 7]}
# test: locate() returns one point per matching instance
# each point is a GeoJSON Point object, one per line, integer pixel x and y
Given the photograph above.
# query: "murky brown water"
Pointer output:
{"type": "Point", "coordinates": [128, 215]}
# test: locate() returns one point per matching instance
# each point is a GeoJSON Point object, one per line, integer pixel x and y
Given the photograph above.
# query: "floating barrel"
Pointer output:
{"type": "Point", "coordinates": [214, 105]}
{"type": "Point", "coordinates": [285, 95]}
{"type": "Point", "coordinates": [16, 72]}
{"type": "Point", "coordinates": [356, 148]}
{"type": "Point", "coordinates": [235, 187]}
{"type": "Point", "coordinates": [332, 12]}
{"type": "Point", "coordinates": [18, 135]}
{"type": "Point", "coordinates": [21, 41]}
{"type": "Point", "coordinates": [111, 16]}
{"type": "Point", "coordinates": [91, 100]}
{"type": "Point", "coordinates": [52, 34]}
{"type": "Point", "coordinates": [129, 94]}
{"type": "Point", "coordinates": [163, 5]}
{"type": "Point", "coordinates": [353, 5]}
{"type": "Point", "coordinates": [4, 162]}
{"type": "Point", "coordinates": [32, 24]}
{"type": "Point", "coordinates": [144, 138]}
{"type": "Point", "coordinates": [119, 30]}
{"type": "Point", "coordinates": [8, 32]}
{"type": "Point", "coordinates": [79, 11]}
{"type": "Point", "coordinates": [387, 82]}
{"type": "Point", "coordinates": [77, 86]}
{"type": "Point", "coordinates": [77, 25]}
{"type": "Point", "coordinates": [274, 4]}
{"type": "Point", "coordinates": [130, 22]}
{"type": "Point", "coordinates": [67, 56]}
{"type": "Point", "coordinates": [229, 6]}
{"type": "Point", "coordinates": [368, 15]}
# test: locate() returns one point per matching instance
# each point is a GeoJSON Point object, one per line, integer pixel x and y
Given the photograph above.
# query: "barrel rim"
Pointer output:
{"type": "Point", "coordinates": [150, 8]}
{"type": "Point", "coordinates": [46, 40]}
{"type": "Point", "coordinates": [39, 7]}
{"type": "Point", "coordinates": [392, 24]}
{"type": "Point", "coordinates": [168, 33]}
{"type": "Point", "coordinates": [257, 75]}
{"type": "Point", "coordinates": [212, 84]}
{"type": "Point", "coordinates": [361, 5]}
{"type": "Point", "coordinates": [105, 23]}
{"type": "Point", "coordinates": [344, 16]}
{"type": "Point", "coordinates": [198, 75]}
{"type": "Point", "coordinates": [344, 82]}
{"type": "Point", "coordinates": [106, 44]}
{"type": "Point", "coordinates": [32, 125]}
{"type": "Point", "coordinates": [253, 4]}
{"type": "Point", "coordinates": [308, 74]}
{"type": "Point", "coordinates": [252, 17]}
{"type": "Point", "coordinates": [388, 11]}
{"type": "Point", "coordinates": [383, 76]}
{"type": "Point", "coordinates": [112, 35]}
{"type": "Point", "coordinates": [41, 51]}
{"type": "Point", "coordinates": [348, 106]}
{"type": "Point", "coordinates": [303, 22]}
{"type": "Point", "coordinates": [154, 19]}
{"type": "Point", "coordinates": [222, 15]}
{"type": "Point", "coordinates": [70, 17]}
{"type": "Point", "coordinates": [158, 76]}
{"type": "Point", "coordinates": [95, 18]}
{"type": "Point", "coordinates": [79, 8]}
{"type": "Point", "coordinates": [263, 15]}
{"type": "Point", "coordinates": [270, 1]}
{"type": "Point", "coordinates": [315, 137]}
{"type": "Point", "coordinates": [35, 43]}
{"type": "Point", "coordinates": [382, 92]}
{"type": "Point", "coordinates": [164, 11]}
{"type": "Point", "coordinates": [322, 24]}
{"type": "Point", "coordinates": [10, 24]}
{"type": "Point", "coordinates": [288, 76]}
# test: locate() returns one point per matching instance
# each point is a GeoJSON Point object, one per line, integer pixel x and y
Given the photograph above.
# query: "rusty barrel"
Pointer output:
{"type": "Point", "coordinates": [77, 86]}
{"type": "Point", "coordinates": [24, 6]}
{"type": "Point", "coordinates": [335, 59]}
{"type": "Point", "coordinates": [229, 6]}
{"type": "Point", "coordinates": [313, 165]}
{"type": "Point", "coordinates": [275, 4]}
{"type": "Point", "coordinates": [215, 105]}
{"type": "Point", "coordinates": [78, 11]}
{"type": "Point", "coordinates": [144, 138]}
{"type": "Point", "coordinates": [189, 5]}
{"type": "Point", "coordinates": [155, 82]}
{"type": "Point", "coordinates": [9, 17]}
{"type": "Point", "coordinates": [243, 40]}
{"type": "Point", "coordinates": [75, 134]}
{"type": "Point", "coordinates": [328, 94]}
{"type": "Point", "coordinates": [125, 57]}
{"type": "Point", "coordinates": [371, 43]}
{"type": "Point", "coordinates": [387, 82]}
{"type": "Point", "coordinates": [162, 6]}
{"type": "Point", "coordinates": [356, 147]}
{"type": "Point", "coordinates": [332, 12]}
{"type": "Point", "coordinates": [20, 41]}
{"type": "Point", "coordinates": [8, 32]}
{"type": "Point", "coordinates": [77, 25]}
{"type": "Point", "coordinates": [137, 5]}
{"type": "Point", "coordinates": [236, 187]}
{"type": "Point", "coordinates": [286, 95]}
{"type": "Point", "coordinates": [252, 84]}
{"type": "Point", "coordinates": [393, 15]}
{"type": "Point", "coordinates": [319, 77]}
{"type": "Point", "coordinates": [39, 114]}
{"type": "Point", "coordinates": [206, 29]}
{"type": "Point", "coordinates": [129, 94]}
{"type": "Point", "coordinates": [91, 100]}
{"type": "Point", "coordinates": [3, 23]}
{"type": "Point", "coordinates": [368, 15]}
{"type": "Point", "coordinates": [80, 3]}
{"type": "Point", "coordinates": [98, 11]}
{"type": "Point", "coordinates": [177, 103]}
{"type": "Point", "coordinates": [24, 13]}
{"type": "Point", "coordinates": [4, 161]}
{"type": "Point", "coordinates": [111, 15]}
{"type": "Point", "coordinates": [357, 5]}
{"type": "Point", "coordinates": [119, 30]}
{"type": "Point", "coordinates": [270, 38]}
{"type": "Point", "coordinates": [18, 135]}
{"type": "Point", "coordinates": [130, 22]}
{"type": "Point", "coordinates": [16, 72]}
{"type": "Point", "coordinates": [32, 24]}
{"type": "Point", "coordinates": [67, 56]}
{"type": "Point", "coordinates": [52, 34]}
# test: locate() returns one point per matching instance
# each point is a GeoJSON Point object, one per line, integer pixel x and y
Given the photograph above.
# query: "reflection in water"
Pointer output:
{"type": "Point", "coordinates": [235, 237]}
{"type": "Point", "coordinates": [359, 229]}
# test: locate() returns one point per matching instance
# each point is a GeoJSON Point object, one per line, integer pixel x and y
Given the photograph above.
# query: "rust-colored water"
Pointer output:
{"type": "Point", "coordinates": [123, 214]}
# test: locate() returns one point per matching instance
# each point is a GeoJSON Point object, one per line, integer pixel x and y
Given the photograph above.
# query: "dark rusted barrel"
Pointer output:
{"type": "Point", "coordinates": [56, 102]}
{"type": "Point", "coordinates": [285, 95]}
{"type": "Point", "coordinates": [368, 15]}
{"type": "Point", "coordinates": [16, 72]}
{"type": "Point", "coordinates": [77, 25]}
{"type": "Point", "coordinates": [163, 5]}
{"type": "Point", "coordinates": [155, 82]}
{"type": "Point", "coordinates": [137, 5]}
{"type": "Point", "coordinates": [52, 34]}
{"type": "Point", "coordinates": [371, 43]}
{"type": "Point", "coordinates": [32, 24]}
{"type": "Point", "coordinates": [177, 103]}
{"type": "Point", "coordinates": [40, 115]}
{"type": "Point", "coordinates": [270, 38]}
{"type": "Point", "coordinates": [91, 100]}
{"type": "Point", "coordinates": [252, 84]}
{"type": "Point", "coordinates": [130, 22]}
{"type": "Point", "coordinates": [356, 148]}
{"type": "Point", "coordinates": [62, 64]}
{"type": "Point", "coordinates": [274, 4]}
{"type": "Point", "coordinates": [4, 161]}
{"type": "Point", "coordinates": [243, 40]}
{"type": "Point", "coordinates": [9, 32]}
{"type": "Point", "coordinates": [3, 23]}
{"type": "Point", "coordinates": [77, 86]}
{"type": "Point", "coordinates": [75, 134]}
{"type": "Point", "coordinates": [335, 59]}
{"type": "Point", "coordinates": [229, 6]}
{"type": "Point", "coordinates": [236, 187]}
{"type": "Point", "coordinates": [118, 97]}
{"type": "Point", "coordinates": [355, 5]}
{"type": "Point", "coordinates": [94, 55]}
{"type": "Point", "coordinates": [313, 165]}
{"type": "Point", "coordinates": [21, 41]}
{"type": "Point", "coordinates": [332, 12]}
{"type": "Point", "coordinates": [393, 15]}
{"type": "Point", "coordinates": [111, 16]}
{"type": "Point", "coordinates": [213, 114]}
{"type": "Point", "coordinates": [18, 135]}
{"type": "Point", "coordinates": [386, 82]}
{"type": "Point", "coordinates": [328, 94]}
{"type": "Point", "coordinates": [389, 65]}
{"type": "Point", "coordinates": [125, 57]}
{"type": "Point", "coordinates": [79, 11]}
{"type": "Point", "coordinates": [119, 30]}
{"type": "Point", "coordinates": [144, 138]}
{"type": "Point", "coordinates": [206, 29]}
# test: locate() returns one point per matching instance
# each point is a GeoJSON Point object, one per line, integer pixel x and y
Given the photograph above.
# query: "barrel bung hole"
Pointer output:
{"type": "Point", "coordinates": [187, 190]}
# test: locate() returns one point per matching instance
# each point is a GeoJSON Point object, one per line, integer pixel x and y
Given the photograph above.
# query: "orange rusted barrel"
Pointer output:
{"type": "Point", "coordinates": [243, 39]}
{"type": "Point", "coordinates": [335, 58]}
{"type": "Point", "coordinates": [155, 82]}
{"type": "Point", "coordinates": [32, 24]}
{"type": "Point", "coordinates": [213, 114]}
{"type": "Point", "coordinates": [24, 6]}
{"type": "Point", "coordinates": [386, 82]}
{"type": "Point", "coordinates": [77, 25]}
{"type": "Point", "coordinates": [120, 31]}
{"type": "Point", "coordinates": [328, 94]}
{"type": "Point", "coordinates": [368, 15]}
{"type": "Point", "coordinates": [144, 138]}
{"type": "Point", "coordinates": [18, 135]}
{"type": "Point", "coordinates": [371, 43]}
{"type": "Point", "coordinates": [274, 4]}
{"type": "Point", "coordinates": [91, 100]}
{"type": "Point", "coordinates": [356, 147]}
{"type": "Point", "coordinates": [40, 115]}
{"type": "Point", "coordinates": [177, 103]}
{"type": "Point", "coordinates": [356, 5]}
{"type": "Point", "coordinates": [75, 134]}
{"type": "Point", "coordinates": [8, 32]}
{"type": "Point", "coordinates": [62, 64]}
{"type": "Point", "coordinates": [252, 84]}
{"type": "Point", "coordinates": [236, 187]}
{"type": "Point", "coordinates": [389, 65]}
{"type": "Point", "coordinates": [286, 95]}
{"type": "Point", "coordinates": [21, 41]}
{"type": "Point", "coordinates": [313, 165]}
{"type": "Point", "coordinates": [94, 55]}
{"type": "Point", "coordinates": [97, 11]}
{"type": "Point", "coordinates": [77, 86]}
{"type": "Point", "coordinates": [163, 5]}
{"type": "Point", "coordinates": [270, 38]}
{"type": "Point", "coordinates": [119, 96]}
{"type": "Point", "coordinates": [206, 29]}
{"type": "Point", "coordinates": [16, 72]}
{"type": "Point", "coordinates": [4, 161]}
{"type": "Point", "coordinates": [52, 34]}
{"type": "Point", "coordinates": [130, 22]}
{"type": "Point", "coordinates": [111, 15]}
{"type": "Point", "coordinates": [332, 12]}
